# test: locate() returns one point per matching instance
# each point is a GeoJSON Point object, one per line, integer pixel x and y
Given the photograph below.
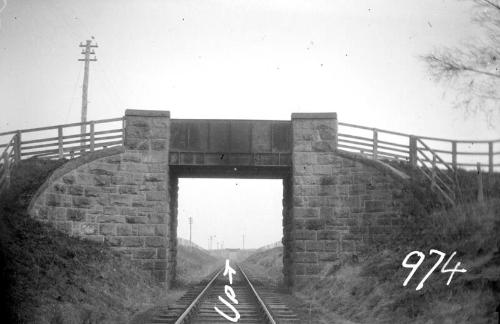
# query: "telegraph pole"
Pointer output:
{"type": "Point", "coordinates": [211, 240]}
{"type": "Point", "coordinates": [243, 241]}
{"type": "Point", "coordinates": [87, 50]}
{"type": "Point", "coordinates": [190, 224]}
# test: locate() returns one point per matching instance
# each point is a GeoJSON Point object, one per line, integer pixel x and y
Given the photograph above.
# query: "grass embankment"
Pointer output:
{"type": "Point", "coordinates": [467, 182]}
{"type": "Point", "coordinates": [52, 278]}
{"type": "Point", "coordinates": [49, 277]}
{"type": "Point", "coordinates": [267, 264]}
{"type": "Point", "coordinates": [370, 289]}
{"type": "Point", "coordinates": [194, 265]}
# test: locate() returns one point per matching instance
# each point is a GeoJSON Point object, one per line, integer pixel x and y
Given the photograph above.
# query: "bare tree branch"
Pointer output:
{"type": "Point", "coordinates": [473, 70]}
{"type": "Point", "coordinates": [491, 3]}
{"type": "Point", "coordinates": [446, 66]}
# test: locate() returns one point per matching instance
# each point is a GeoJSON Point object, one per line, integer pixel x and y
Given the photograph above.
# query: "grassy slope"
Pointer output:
{"type": "Point", "coordinates": [53, 278]}
{"type": "Point", "coordinates": [268, 264]}
{"type": "Point", "coordinates": [370, 289]}
{"type": "Point", "coordinates": [48, 277]}
{"type": "Point", "coordinates": [194, 264]}
{"type": "Point", "coordinates": [467, 182]}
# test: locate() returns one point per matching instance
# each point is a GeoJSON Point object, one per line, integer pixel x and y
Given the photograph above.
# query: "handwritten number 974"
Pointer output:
{"type": "Point", "coordinates": [421, 257]}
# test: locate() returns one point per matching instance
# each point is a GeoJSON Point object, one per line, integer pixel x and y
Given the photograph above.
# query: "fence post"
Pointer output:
{"type": "Point", "coordinates": [92, 136]}
{"type": "Point", "coordinates": [6, 165]}
{"type": "Point", "coordinates": [17, 146]}
{"type": "Point", "coordinates": [433, 173]}
{"type": "Point", "coordinates": [480, 193]}
{"type": "Point", "coordinates": [60, 141]}
{"type": "Point", "coordinates": [83, 139]}
{"type": "Point", "coordinates": [490, 158]}
{"type": "Point", "coordinates": [375, 144]}
{"type": "Point", "coordinates": [413, 151]}
{"type": "Point", "coordinates": [124, 125]}
{"type": "Point", "coordinates": [454, 155]}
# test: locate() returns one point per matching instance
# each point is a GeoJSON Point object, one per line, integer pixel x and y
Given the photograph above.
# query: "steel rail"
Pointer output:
{"type": "Point", "coordinates": [185, 315]}
{"type": "Point", "coordinates": [262, 304]}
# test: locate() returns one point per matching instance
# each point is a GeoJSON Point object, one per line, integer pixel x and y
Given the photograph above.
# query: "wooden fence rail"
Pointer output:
{"type": "Point", "coordinates": [383, 144]}
{"type": "Point", "coordinates": [61, 141]}
{"type": "Point", "coordinates": [57, 142]}
{"type": "Point", "coordinates": [6, 162]}
{"type": "Point", "coordinates": [437, 162]}
{"type": "Point", "coordinates": [437, 158]}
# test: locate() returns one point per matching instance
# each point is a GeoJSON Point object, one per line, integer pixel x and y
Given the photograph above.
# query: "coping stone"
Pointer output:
{"type": "Point", "coordinates": [147, 113]}
{"type": "Point", "coordinates": [326, 115]}
{"type": "Point", "coordinates": [377, 164]}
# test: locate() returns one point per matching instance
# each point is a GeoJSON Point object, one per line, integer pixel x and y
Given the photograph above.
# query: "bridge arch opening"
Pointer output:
{"type": "Point", "coordinates": [227, 203]}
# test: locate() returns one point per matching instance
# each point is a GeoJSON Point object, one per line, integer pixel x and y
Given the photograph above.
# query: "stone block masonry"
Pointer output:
{"type": "Point", "coordinates": [118, 196]}
{"type": "Point", "coordinates": [340, 201]}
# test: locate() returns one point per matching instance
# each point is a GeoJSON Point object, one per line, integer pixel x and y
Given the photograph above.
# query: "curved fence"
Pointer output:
{"type": "Point", "coordinates": [438, 159]}
{"type": "Point", "coordinates": [57, 142]}
{"type": "Point", "coordinates": [383, 144]}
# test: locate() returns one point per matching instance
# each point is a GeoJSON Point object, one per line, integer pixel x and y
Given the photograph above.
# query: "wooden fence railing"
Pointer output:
{"type": "Point", "coordinates": [376, 143]}
{"type": "Point", "coordinates": [383, 144]}
{"type": "Point", "coordinates": [427, 160]}
{"type": "Point", "coordinates": [57, 142]}
{"type": "Point", "coordinates": [436, 158]}
{"type": "Point", "coordinates": [6, 162]}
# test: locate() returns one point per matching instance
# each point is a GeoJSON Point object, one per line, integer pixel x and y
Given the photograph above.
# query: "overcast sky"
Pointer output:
{"type": "Point", "coordinates": [255, 59]}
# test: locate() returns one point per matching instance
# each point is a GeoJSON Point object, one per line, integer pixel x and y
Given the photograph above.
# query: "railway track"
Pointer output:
{"type": "Point", "coordinates": [256, 303]}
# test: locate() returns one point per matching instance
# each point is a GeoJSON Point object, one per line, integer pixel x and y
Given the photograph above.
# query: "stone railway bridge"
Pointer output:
{"type": "Point", "coordinates": [334, 201]}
